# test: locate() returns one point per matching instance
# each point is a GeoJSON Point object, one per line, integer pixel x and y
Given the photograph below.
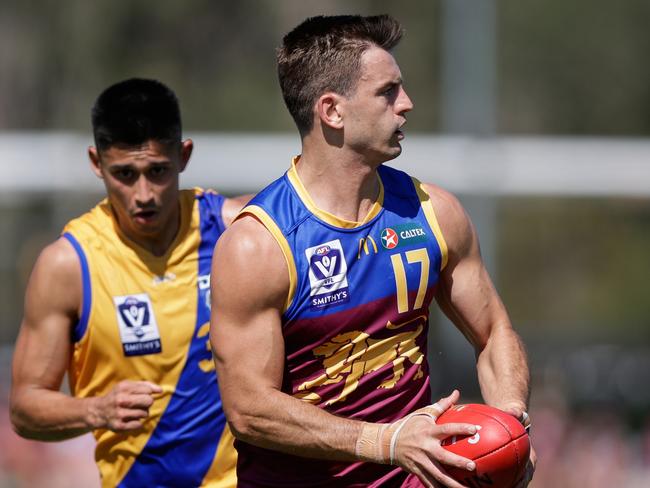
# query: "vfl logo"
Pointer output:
{"type": "Point", "coordinates": [389, 238]}
{"type": "Point", "coordinates": [135, 314]}
{"type": "Point", "coordinates": [363, 244]}
{"type": "Point", "coordinates": [350, 356]}
{"type": "Point", "coordinates": [327, 274]}
{"type": "Point", "coordinates": [325, 262]}
{"type": "Point", "coordinates": [137, 325]}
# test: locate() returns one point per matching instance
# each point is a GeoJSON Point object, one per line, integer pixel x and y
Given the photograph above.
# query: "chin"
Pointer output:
{"type": "Point", "coordinates": [379, 155]}
{"type": "Point", "coordinates": [146, 229]}
{"type": "Point", "coordinates": [393, 153]}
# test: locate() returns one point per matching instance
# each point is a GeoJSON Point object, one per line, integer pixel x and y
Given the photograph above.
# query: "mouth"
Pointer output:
{"type": "Point", "coordinates": [399, 132]}
{"type": "Point", "coordinates": [145, 216]}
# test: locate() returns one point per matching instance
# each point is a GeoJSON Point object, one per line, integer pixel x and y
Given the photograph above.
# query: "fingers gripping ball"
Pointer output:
{"type": "Point", "coordinates": [500, 448]}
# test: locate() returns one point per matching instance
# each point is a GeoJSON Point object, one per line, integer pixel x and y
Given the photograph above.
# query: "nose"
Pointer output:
{"type": "Point", "coordinates": [404, 103]}
{"type": "Point", "coordinates": [143, 191]}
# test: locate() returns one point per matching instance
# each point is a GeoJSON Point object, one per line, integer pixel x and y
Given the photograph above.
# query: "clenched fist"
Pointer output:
{"type": "Point", "coordinates": [125, 407]}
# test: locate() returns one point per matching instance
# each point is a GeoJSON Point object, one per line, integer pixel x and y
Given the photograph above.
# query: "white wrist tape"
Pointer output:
{"type": "Point", "coordinates": [369, 445]}
{"type": "Point", "coordinates": [377, 443]}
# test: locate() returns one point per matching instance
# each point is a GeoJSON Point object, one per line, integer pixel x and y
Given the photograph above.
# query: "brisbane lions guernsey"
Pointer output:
{"type": "Point", "coordinates": [146, 317]}
{"type": "Point", "coordinates": [356, 318]}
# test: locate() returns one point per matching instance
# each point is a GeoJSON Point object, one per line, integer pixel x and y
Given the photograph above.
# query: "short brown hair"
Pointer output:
{"type": "Point", "coordinates": [324, 54]}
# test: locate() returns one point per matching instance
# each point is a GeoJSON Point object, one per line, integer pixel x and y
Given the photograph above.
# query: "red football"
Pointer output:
{"type": "Point", "coordinates": [500, 448]}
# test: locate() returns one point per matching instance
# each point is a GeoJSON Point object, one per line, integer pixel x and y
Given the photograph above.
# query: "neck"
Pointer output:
{"type": "Point", "coordinates": [343, 185]}
{"type": "Point", "coordinates": [158, 245]}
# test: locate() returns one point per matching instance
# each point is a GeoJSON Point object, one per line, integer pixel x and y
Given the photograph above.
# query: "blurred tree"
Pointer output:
{"type": "Point", "coordinates": [219, 56]}
{"type": "Point", "coordinates": [575, 67]}
{"type": "Point", "coordinates": [576, 265]}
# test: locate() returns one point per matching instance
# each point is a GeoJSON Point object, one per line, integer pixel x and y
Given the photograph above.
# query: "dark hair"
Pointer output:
{"type": "Point", "coordinates": [134, 111]}
{"type": "Point", "coordinates": [324, 54]}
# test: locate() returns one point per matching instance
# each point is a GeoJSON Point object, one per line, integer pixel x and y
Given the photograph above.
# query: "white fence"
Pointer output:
{"type": "Point", "coordinates": [469, 165]}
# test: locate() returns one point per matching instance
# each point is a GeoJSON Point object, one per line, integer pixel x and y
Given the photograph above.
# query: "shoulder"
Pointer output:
{"type": "Point", "coordinates": [444, 202]}
{"type": "Point", "coordinates": [56, 278]}
{"type": "Point", "coordinates": [248, 258]}
{"type": "Point", "coordinates": [232, 206]}
{"type": "Point", "coordinates": [454, 221]}
{"type": "Point", "coordinates": [224, 208]}
{"type": "Point", "coordinates": [59, 259]}
{"type": "Point", "coordinates": [248, 238]}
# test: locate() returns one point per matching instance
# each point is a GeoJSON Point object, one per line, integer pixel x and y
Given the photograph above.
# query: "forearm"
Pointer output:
{"type": "Point", "coordinates": [503, 370]}
{"type": "Point", "coordinates": [277, 421]}
{"type": "Point", "coordinates": [289, 425]}
{"type": "Point", "coordinates": [47, 415]}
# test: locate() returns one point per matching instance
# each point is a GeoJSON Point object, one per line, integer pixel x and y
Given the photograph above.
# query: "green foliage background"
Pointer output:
{"type": "Point", "coordinates": [564, 67]}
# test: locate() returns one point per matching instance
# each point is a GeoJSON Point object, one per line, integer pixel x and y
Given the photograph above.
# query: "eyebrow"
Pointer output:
{"type": "Point", "coordinates": [391, 83]}
{"type": "Point", "coordinates": [119, 166]}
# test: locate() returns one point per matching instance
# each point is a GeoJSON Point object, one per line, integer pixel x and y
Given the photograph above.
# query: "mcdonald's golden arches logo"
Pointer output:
{"type": "Point", "coordinates": [363, 246]}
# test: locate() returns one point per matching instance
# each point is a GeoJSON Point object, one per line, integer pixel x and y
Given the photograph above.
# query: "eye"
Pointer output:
{"type": "Point", "coordinates": [124, 174]}
{"type": "Point", "coordinates": [390, 90]}
{"type": "Point", "coordinates": [158, 171]}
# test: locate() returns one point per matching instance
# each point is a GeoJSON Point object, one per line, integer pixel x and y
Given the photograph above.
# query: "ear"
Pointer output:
{"type": "Point", "coordinates": [95, 161]}
{"type": "Point", "coordinates": [328, 109]}
{"type": "Point", "coordinates": [187, 146]}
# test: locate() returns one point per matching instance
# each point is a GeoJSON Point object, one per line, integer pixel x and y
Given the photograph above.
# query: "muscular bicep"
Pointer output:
{"type": "Point", "coordinates": [465, 293]}
{"type": "Point", "coordinates": [52, 301]}
{"type": "Point", "coordinates": [467, 296]}
{"type": "Point", "coordinates": [246, 332]}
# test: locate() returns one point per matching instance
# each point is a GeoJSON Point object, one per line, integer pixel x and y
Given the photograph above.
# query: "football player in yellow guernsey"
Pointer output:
{"type": "Point", "coordinates": [121, 302]}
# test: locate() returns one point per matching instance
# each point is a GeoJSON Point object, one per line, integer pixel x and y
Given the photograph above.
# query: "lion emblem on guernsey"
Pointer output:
{"type": "Point", "coordinates": [350, 356]}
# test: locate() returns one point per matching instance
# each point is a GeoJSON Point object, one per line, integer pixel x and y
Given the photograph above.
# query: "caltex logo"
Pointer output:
{"type": "Point", "coordinates": [389, 238]}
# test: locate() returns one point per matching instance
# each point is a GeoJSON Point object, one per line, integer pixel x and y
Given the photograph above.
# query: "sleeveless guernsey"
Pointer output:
{"type": "Point", "coordinates": [147, 318]}
{"type": "Point", "coordinates": [356, 318]}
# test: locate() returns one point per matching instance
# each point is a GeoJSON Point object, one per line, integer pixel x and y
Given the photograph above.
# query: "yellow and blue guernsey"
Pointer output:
{"type": "Point", "coordinates": [356, 318]}
{"type": "Point", "coordinates": [147, 318]}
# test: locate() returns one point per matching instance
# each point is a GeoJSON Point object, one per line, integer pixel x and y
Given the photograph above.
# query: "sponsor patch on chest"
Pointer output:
{"type": "Point", "coordinates": [402, 235]}
{"type": "Point", "coordinates": [137, 323]}
{"type": "Point", "coordinates": [327, 274]}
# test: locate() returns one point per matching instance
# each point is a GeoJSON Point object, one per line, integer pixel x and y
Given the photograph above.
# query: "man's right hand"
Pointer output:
{"type": "Point", "coordinates": [414, 443]}
{"type": "Point", "coordinates": [125, 407]}
{"type": "Point", "coordinates": [418, 446]}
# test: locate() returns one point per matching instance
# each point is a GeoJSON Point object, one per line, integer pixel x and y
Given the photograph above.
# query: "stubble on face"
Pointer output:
{"type": "Point", "coordinates": [376, 110]}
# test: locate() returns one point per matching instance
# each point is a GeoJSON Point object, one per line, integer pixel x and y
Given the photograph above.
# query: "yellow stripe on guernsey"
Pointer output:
{"type": "Point", "coordinates": [165, 291]}
{"type": "Point", "coordinates": [332, 219]}
{"type": "Point", "coordinates": [430, 214]}
{"type": "Point", "coordinates": [277, 234]}
{"type": "Point", "coordinates": [222, 473]}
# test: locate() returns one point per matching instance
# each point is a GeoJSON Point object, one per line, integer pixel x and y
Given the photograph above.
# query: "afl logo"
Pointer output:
{"type": "Point", "coordinates": [389, 238]}
{"type": "Point", "coordinates": [322, 250]}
